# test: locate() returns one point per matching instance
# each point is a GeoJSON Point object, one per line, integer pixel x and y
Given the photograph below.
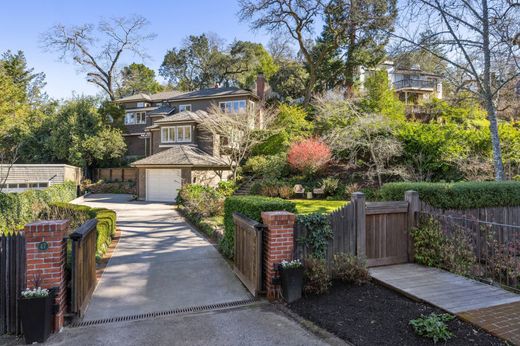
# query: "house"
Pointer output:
{"type": "Point", "coordinates": [411, 85]}
{"type": "Point", "coordinates": [163, 130]}
{"type": "Point", "coordinates": [21, 177]}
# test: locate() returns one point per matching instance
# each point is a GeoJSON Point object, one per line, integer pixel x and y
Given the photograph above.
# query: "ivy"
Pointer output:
{"type": "Point", "coordinates": [319, 232]}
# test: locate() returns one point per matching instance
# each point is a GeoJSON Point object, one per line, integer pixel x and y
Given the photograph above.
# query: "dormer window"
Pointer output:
{"type": "Point", "coordinates": [183, 108]}
{"type": "Point", "coordinates": [236, 106]}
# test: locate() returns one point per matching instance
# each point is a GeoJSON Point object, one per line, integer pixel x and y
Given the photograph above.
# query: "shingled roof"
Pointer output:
{"type": "Point", "coordinates": [182, 116]}
{"type": "Point", "coordinates": [182, 155]}
{"type": "Point", "coordinates": [212, 92]}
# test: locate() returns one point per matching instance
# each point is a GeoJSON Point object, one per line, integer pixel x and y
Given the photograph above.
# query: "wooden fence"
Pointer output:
{"type": "Point", "coordinates": [116, 174]}
{"type": "Point", "coordinates": [377, 231]}
{"type": "Point", "coordinates": [248, 252]}
{"type": "Point", "coordinates": [83, 266]}
{"type": "Point", "coordinates": [12, 281]}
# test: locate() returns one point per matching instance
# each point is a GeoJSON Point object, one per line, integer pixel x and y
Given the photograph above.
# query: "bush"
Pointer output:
{"type": "Point", "coordinates": [433, 326]}
{"type": "Point", "coordinates": [126, 187]}
{"type": "Point", "coordinates": [269, 167]}
{"type": "Point", "coordinates": [330, 186]}
{"type": "Point", "coordinates": [201, 200]}
{"type": "Point", "coordinates": [428, 241]}
{"type": "Point", "coordinates": [17, 209]}
{"type": "Point", "coordinates": [462, 195]}
{"type": "Point", "coordinates": [318, 232]}
{"type": "Point", "coordinates": [272, 188]}
{"type": "Point", "coordinates": [252, 207]}
{"type": "Point", "coordinates": [317, 278]}
{"type": "Point", "coordinates": [349, 268]}
{"type": "Point", "coordinates": [309, 156]}
{"type": "Point", "coordinates": [226, 188]}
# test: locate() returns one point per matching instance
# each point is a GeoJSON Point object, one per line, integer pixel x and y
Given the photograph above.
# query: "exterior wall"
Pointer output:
{"type": "Point", "coordinates": [135, 146]}
{"type": "Point", "coordinates": [30, 175]}
{"type": "Point", "coordinates": [207, 142]}
{"type": "Point", "coordinates": [141, 180]}
{"type": "Point", "coordinates": [209, 176]}
{"type": "Point", "coordinates": [206, 104]}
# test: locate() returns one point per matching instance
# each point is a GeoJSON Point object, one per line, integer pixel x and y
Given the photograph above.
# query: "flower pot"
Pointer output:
{"type": "Point", "coordinates": [309, 195]}
{"type": "Point", "coordinates": [36, 316]}
{"type": "Point", "coordinates": [292, 283]}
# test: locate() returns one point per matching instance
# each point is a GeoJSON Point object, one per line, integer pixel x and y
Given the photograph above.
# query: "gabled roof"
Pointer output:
{"type": "Point", "coordinates": [135, 98]}
{"type": "Point", "coordinates": [213, 92]}
{"type": "Point", "coordinates": [165, 95]}
{"type": "Point", "coordinates": [182, 155]}
{"type": "Point", "coordinates": [183, 116]}
{"type": "Point", "coordinates": [162, 110]}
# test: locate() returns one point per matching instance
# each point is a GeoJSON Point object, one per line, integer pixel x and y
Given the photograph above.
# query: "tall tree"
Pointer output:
{"type": "Point", "coordinates": [98, 49]}
{"type": "Point", "coordinates": [482, 42]}
{"type": "Point", "coordinates": [30, 82]}
{"type": "Point", "coordinates": [137, 78]}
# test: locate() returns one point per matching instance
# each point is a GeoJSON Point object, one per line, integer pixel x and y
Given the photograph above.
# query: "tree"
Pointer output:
{"type": "Point", "coordinates": [290, 81]}
{"type": "Point", "coordinates": [380, 98]}
{"type": "Point", "coordinates": [137, 78]}
{"type": "Point", "coordinates": [238, 133]}
{"type": "Point", "coordinates": [31, 83]}
{"type": "Point", "coordinates": [309, 156]}
{"type": "Point", "coordinates": [363, 27]}
{"type": "Point", "coordinates": [295, 18]}
{"type": "Point", "coordinates": [481, 41]}
{"type": "Point", "coordinates": [98, 49]}
{"type": "Point", "coordinates": [203, 61]}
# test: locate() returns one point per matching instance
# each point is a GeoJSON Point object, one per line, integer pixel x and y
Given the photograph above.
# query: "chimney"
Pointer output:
{"type": "Point", "coordinates": [260, 86]}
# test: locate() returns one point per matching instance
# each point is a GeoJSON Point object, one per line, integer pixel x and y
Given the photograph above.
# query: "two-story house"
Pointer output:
{"type": "Point", "coordinates": [164, 129]}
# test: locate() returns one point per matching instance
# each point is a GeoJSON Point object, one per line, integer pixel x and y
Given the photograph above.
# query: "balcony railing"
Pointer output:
{"type": "Point", "coordinates": [414, 84]}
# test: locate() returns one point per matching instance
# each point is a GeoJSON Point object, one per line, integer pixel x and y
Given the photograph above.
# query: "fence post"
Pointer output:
{"type": "Point", "coordinates": [414, 206]}
{"type": "Point", "coordinates": [46, 248]}
{"type": "Point", "coordinates": [358, 201]}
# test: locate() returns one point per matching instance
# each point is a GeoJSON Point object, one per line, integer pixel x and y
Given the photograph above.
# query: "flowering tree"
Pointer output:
{"type": "Point", "coordinates": [309, 155]}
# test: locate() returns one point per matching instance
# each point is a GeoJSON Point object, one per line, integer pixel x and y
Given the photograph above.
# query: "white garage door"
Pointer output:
{"type": "Point", "coordinates": [162, 185]}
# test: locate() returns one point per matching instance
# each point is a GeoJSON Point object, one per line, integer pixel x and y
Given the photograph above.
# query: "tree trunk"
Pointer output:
{"type": "Point", "coordinates": [310, 86]}
{"type": "Point", "coordinates": [495, 140]}
{"type": "Point", "coordinates": [349, 64]}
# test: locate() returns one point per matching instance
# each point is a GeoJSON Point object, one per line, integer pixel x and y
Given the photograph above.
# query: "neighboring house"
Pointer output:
{"type": "Point", "coordinates": [411, 85]}
{"type": "Point", "coordinates": [164, 129]}
{"type": "Point", "coordinates": [37, 176]}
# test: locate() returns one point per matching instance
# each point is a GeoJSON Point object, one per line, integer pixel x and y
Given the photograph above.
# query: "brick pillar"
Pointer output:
{"type": "Point", "coordinates": [46, 249]}
{"type": "Point", "coordinates": [278, 246]}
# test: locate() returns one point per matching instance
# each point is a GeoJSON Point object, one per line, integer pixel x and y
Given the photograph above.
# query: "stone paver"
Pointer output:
{"type": "Point", "coordinates": [501, 320]}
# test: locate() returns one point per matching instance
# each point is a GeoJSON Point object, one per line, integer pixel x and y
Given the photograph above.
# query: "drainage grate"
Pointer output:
{"type": "Point", "coordinates": [200, 308]}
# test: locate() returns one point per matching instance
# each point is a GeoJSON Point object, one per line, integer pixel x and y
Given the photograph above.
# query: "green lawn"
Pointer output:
{"type": "Point", "coordinates": [307, 206]}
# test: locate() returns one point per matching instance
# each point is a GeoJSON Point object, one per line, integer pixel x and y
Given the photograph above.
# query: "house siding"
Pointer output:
{"type": "Point", "coordinates": [134, 145]}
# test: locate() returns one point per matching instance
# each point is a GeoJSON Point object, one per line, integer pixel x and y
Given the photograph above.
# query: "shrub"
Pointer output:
{"type": "Point", "coordinates": [318, 233]}
{"type": "Point", "coordinates": [309, 156]}
{"type": "Point", "coordinates": [428, 241]}
{"type": "Point", "coordinates": [462, 195]}
{"type": "Point", "coordinates": [201, 200]}
{"type": "Point", "coordinates": [330, 186]}
{"type": "Point", "coordinates": [125, 187]}
{"type": "Point", "coordinates": [272, 188]}
{"type": "Point", "coordinates": [433, 326]}
{"type": "Point", "coordinates": [226, 188]}
{"type": "Point", "coordinates": [350, 189]}
{"type": "Point", "coordinates": [350, 268]}
{"type": "Point", "coordinates": [317, 278]}
{"type": "Point", "coordinates": [269, 167]}
{"type": "Point", "coordinates": [252, 207]}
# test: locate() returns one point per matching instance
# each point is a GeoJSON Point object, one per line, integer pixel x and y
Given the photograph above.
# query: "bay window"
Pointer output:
{"type": "Point", "coordinates": [176, 134]}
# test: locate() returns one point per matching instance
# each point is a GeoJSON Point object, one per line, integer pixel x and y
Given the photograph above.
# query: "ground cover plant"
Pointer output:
{"type": "Point", "coordinates": [309, 206]}
{"type": "Point", "coordinates": [433, 326]}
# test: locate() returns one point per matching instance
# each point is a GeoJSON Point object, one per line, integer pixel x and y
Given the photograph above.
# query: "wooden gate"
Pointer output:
{"type": "Point", "coordinates": [83, 266]}
{"type": "Point", "coordinates": [12, 281]}
{"type": "Point", "coordinates": [387, 233]}
{"type": "Point", "coordinates": [248, 252]}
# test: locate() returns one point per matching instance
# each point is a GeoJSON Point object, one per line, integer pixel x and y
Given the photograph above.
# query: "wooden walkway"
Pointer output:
{"type": "Point", "coordinates": [450, 292]}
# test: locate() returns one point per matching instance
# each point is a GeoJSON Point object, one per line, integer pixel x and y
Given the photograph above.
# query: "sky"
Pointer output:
{"type": "Point", "coordinates": [22, 22]}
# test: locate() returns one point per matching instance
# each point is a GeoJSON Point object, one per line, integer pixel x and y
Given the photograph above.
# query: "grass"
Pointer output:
{"type": "Point", "coordinates": [308, 206]}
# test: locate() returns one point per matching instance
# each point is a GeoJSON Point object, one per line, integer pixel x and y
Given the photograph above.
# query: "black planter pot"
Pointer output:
{"type": "Point", "coordinates": [292, 283]}
{"type": "Point", "coordinates": [36, 316]}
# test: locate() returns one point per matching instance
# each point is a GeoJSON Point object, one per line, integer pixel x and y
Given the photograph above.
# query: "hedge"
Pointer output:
{"type": "Point", "coordinates": [252, 207]}
{"type": "Point", "coordinates": [461, 195]}
{"type": "Point", "coordinates": [17, 209]}
{"type": "Point", "coordinates": [78, 214]}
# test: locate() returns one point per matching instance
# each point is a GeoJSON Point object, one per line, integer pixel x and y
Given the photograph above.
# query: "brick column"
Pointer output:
{"type": "Point", "coordinates": [278, 246]}
{"type": "Point", "coordinates": [46, 249]}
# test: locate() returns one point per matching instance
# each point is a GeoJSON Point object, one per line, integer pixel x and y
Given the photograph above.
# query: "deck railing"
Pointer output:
{"type": "Point", "coordinates": [414, 84]}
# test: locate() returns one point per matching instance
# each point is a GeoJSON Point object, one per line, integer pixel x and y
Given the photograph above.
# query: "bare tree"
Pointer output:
{"type": "Point", "coordinates": [480, 39]}
{"type": "Point", "coordinates": [8, 157]}
{"type": "Point", "coordinates": [98, 49]}
{"type": "Point", "coordinates": [238, 133]}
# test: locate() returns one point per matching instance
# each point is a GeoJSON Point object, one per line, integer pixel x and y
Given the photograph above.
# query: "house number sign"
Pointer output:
{"type": "Point", "coordinates": [43, 246]}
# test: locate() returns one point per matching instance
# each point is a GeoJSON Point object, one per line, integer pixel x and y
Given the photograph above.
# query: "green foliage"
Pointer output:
{"type": "Point", "coordinates": [124, 187]}
{"type": "Point", "coordinates": [380, 98]}
{"type": "Point", "coordinates": [226, 188]}
{"type": "Point", "coordinates": [318, 233]}
{"type": "Point", "coordinates": [461, 195]}
{"type": "Point", "coordinates": [350, 268]}
{"type": "Point", "coordinates": [310, 206]}
{"type": "Point", "coordinates": [272, 188]}
{"type": "Point", "coordinates": [330, 186]}
{"type": "Point", "coordinates": [429, 242]}
{"type": "Point", "coordinates": [17, 209]}
{"type": "Point", "coordinates": [267, 167]}
{"type": "Point", "coordinates": [201, 200]}
{"type": "Point", "coordinates": [317, 277]}
{"type": "Point", "coordinates": [433, 326]}
{"type": "Point", "coordinates": [252, 207]}
{"type": "Point", "coordinates": [290, 80]}
{"type": "Point", "coordinates": [138, 78]}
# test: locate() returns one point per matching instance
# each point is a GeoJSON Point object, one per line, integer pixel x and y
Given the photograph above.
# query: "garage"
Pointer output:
{"type": "Point", "coordinates": [162, 185]}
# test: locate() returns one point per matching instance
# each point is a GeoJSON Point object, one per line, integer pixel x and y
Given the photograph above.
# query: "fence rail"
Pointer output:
{"type": "Point", "coordinates": [495, 246]}
{"type": "Point", "coordinates": [12, 281]}
{"type": "Point", "coordinates": [248, 252]}
{"type": "Point", "coordinates": [83, 266]}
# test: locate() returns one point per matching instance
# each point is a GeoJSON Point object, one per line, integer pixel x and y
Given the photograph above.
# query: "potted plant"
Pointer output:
{"type": "Point", "coordinates": [36, 313]}
{"type": "Point", "coordinates": [291, 273]}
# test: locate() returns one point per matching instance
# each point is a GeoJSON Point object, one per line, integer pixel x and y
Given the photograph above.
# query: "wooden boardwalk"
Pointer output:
{"type": "Point", "coordinates": [450, 292]}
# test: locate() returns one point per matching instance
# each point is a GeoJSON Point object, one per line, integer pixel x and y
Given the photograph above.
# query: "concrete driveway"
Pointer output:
{"type": "Point", "coordinates": [160, 264]}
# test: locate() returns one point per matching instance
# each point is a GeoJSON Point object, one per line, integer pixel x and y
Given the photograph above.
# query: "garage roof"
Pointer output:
{"type": "Point", "coordinates": [182, 155]}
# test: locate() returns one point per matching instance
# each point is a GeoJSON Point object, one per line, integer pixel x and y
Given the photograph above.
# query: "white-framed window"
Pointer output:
{"type": "Point", "coordinates": [129, 118]}
{"type": "Point", "coordinates": [135, 118]}
{"type": "Point", "coordinates": [142, 104]}
{"type": "Point", "coordinates": [184, 133]}
{"type": "Point", "coordinates": [236, 106]}
{"type": "Point", "coordinates": [168, 134]}
{"type": "Point", "coordinates": [183, 108]}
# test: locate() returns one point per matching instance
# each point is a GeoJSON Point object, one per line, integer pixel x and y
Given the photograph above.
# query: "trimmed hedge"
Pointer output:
{"type": "Point", "coordinates": [461, 195]}
{"type": "Point", "coordinates": [78, 214]}
{"type": "Point", "coordinates": [252, 207]}
{"type": "Point", "coordinates": [17, 209]}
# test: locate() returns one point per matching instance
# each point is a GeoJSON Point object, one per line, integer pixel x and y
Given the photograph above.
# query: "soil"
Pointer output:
{"type": "Point", "coordinates": [375, 315]}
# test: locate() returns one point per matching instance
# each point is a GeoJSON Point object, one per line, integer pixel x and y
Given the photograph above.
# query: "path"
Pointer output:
{"type": "Point", "coordinates": [488, 307]}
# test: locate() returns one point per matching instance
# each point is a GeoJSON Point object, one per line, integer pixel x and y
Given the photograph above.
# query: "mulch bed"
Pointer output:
{"type": "Point", "coordinates": [375, 315]}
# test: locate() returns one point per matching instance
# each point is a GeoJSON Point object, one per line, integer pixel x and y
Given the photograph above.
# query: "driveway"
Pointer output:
{"type": "Point", "coordinates": [160, 264]}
